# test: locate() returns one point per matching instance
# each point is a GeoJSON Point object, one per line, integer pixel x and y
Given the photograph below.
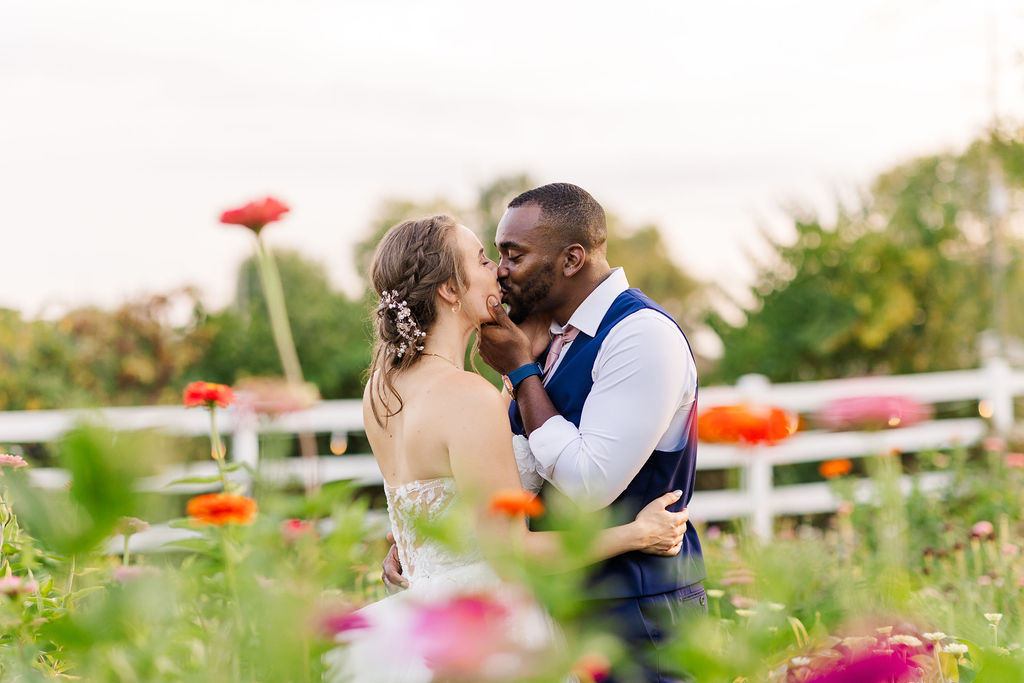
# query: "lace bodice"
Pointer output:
{"type": "Point", "coordinates": [431, 502]}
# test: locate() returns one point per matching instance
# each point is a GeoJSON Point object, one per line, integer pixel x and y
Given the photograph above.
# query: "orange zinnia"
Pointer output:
{"type": "Point", "coordinates": [830, 469]}
{"type": "Point", "coordinates": [208, 394]}
{"type": "Point", "coordinates": [746, 424]}
{"type": "Point", "coordinates": [221, 508]}
{"type": "Point", "coordinates": [516, 502]}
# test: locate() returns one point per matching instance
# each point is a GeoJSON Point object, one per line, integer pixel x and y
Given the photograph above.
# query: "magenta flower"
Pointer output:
{"type": "Point", "coordinates": [866, 667]}
{"type": "Point", "coordinates": [347, 620]}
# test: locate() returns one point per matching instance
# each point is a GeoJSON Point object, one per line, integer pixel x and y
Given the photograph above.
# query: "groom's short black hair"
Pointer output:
{"type": "Point", "coordinates": [568, 212]}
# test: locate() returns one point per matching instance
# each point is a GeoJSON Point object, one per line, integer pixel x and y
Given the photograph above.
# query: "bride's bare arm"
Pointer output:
{"type": "Point", "coordinates": [480, 451]}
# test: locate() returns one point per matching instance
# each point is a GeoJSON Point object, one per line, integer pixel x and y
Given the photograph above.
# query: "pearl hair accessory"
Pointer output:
{"type": "Point", "coordinates": [407, 326]}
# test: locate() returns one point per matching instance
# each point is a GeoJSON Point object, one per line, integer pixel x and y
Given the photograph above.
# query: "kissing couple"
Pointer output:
{"type": "Point", "coordinates": [599, 406]}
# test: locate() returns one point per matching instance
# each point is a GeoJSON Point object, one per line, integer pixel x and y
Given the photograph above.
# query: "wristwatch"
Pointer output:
{"type": "Point", "coordinates": [513, 378]}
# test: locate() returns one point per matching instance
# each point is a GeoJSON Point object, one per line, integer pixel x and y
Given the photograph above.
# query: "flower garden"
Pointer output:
{"type": "Point", "coordinates": [911, 585]}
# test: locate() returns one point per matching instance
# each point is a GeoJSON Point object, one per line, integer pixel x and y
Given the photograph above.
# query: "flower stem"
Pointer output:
{"type": "Point", "coordinates": [218, 449]}
{"type": "Point", "coordinates": [127, 552]}
{"type": "Point", "coordinates": [274, 295]}
{"type": "Point", "coordinates": [71, 580]}
{"type": "Point", "coordinates": [282, 331]}
{"type": "Point", "coordinates": [938, 663]}
{"type": "Point", "coordinates": [229, 576]}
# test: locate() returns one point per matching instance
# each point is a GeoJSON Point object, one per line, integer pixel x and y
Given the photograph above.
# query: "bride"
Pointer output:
{"type": "Point", "coordinates": [441, 438]}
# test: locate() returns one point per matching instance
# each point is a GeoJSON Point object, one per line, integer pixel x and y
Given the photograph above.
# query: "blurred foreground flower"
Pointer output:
{"type": "Point", "coordinates": [12, 461]}
{"type": "Point", "coordinates": [872, 412]}
{"type": "Point", "coordinates": [983, 529]}
{"type": "Point", "coordinates": [273, 396]}
{"type": "Point", "coordinates": [592, 667]}
{"type": "Point", "coordinates": [866, 667]}
{"type": "Point", "coordinates": [207, 394]}
{"type": "Point", "coordinates": [126, 574]}
{"type": "Point", "coordinates": [745, 424]}
{"type": "Point", "coordinates": [516, 502]}
{"type": "Point", "coordinates": [463, 637]}
{"type": "Point", "coordinates": [294, 529]}
{"type": "Point", "coordinates": [219, 509]}
{"type": "Point", "coordinates": [11, 585]}
{"type": "Point", "coordinates": [255, 215]}
{"type": "Point", "coordinates": [341, 621]}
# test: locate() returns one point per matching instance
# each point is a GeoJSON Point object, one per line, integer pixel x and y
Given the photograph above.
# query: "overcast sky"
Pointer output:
{"type": "Point", "coordinates": [127, 126]}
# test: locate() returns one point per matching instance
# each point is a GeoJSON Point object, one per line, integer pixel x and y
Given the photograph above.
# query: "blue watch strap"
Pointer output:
{"type": "Point", "coordinates": [524, 371]}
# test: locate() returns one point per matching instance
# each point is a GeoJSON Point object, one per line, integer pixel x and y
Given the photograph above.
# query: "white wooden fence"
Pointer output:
{"type": "Point", "coordinates": [992, 389]}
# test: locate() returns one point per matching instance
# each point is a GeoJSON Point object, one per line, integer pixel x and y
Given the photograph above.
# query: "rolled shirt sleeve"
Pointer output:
{"type": "Point", "coordinates": [644, 386]}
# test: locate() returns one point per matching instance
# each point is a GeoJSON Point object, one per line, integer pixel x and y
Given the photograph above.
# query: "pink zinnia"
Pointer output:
{"type": "Point", "coordinates": [982, 529]}
{"type": "Point", "coordinates": [457, 637]}
{"type": "Point", "coordinates": [873, 412]}
{"type": "Point", "coordinates": [12, 461]}
{"type": "Point", "coordinates": [1014, 460]}
{"type": "Point", "coordinates": [12, 585]}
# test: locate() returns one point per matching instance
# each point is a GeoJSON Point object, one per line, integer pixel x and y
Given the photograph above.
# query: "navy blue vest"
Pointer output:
{"type": "Point", "coordinates": [632, 574]}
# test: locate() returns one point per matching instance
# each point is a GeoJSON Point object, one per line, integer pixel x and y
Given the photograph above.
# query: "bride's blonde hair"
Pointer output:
{"type": "Point", "coordinates": [413, 259]}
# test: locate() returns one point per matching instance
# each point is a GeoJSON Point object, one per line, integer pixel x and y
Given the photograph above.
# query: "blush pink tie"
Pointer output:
{"type": "Point", "coordinates": [559, 340]}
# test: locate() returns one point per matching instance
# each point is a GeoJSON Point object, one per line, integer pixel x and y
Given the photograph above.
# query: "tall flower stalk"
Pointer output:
{"type": "Point", "coordinates": [255, 216]}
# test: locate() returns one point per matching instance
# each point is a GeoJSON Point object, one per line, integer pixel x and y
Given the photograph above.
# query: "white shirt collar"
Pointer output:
{"type": "Point", "coordinates": [588, 315]}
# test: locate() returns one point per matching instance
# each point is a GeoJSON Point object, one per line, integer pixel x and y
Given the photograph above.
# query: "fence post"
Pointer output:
{"type": "Point", "coordinates": [999, 394]}
{"type": "Point", "coordinates": [246, 441]}
{"type": "Point", "coordinates": [755, 390]}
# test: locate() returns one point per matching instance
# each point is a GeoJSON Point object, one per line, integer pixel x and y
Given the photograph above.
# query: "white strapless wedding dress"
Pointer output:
{"type": "Point", "coordinates": [385, 650]}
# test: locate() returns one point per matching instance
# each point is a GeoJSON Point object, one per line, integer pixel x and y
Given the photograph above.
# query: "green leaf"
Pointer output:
{"type": "Point", "coordinates": [194, 480]}
{"type": "Point", "coordinates": [201, 545]}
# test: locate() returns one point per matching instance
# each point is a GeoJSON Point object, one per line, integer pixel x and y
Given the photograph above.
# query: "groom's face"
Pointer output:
{"type": "Point", "coordinates": [526, 271]}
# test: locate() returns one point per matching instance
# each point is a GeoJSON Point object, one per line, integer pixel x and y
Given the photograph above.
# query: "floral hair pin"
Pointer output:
{"type": "Point", "coordinates": [408, 329]}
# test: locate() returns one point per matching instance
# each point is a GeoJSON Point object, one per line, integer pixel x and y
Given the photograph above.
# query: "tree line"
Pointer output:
{"type": "Point", "coordinates": [902, 281]}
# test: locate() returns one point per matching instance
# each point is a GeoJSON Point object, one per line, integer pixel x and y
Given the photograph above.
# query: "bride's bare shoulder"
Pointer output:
{"type": "Point", "coordinates": [470, 394]}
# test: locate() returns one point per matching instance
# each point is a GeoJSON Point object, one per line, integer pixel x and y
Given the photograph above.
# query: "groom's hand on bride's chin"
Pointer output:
{"type": "Point", "coordinates": [503, 345]}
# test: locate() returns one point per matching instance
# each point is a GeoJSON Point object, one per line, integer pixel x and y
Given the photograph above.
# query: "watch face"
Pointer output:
{"type": "Point", "coordinates": [508, 386]}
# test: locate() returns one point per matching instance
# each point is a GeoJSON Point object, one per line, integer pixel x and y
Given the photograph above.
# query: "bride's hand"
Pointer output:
{"type": "Point", "coordinates": [660, 531]}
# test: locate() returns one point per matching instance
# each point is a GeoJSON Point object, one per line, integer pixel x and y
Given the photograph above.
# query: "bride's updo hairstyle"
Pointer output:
{"type": "Point", "coordinates": [411, 262]}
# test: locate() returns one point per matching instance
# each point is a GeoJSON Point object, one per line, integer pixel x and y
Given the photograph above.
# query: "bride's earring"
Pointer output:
{"type": "Point", "coordinates": [458, 307]}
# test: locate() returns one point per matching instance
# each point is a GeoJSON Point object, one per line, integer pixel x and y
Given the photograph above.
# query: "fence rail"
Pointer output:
{"type": "Point", "coordinates": [994, 387]}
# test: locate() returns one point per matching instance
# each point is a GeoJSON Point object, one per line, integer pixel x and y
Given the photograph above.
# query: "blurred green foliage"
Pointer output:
{"type": "Point", "coordinates": [901, 283]}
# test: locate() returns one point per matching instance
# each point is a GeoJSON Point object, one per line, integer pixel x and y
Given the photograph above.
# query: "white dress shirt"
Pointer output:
{"type": "Point", "coordinates": [645, 383]}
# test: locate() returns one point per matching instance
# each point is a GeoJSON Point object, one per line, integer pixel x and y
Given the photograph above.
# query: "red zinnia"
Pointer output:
{"type": "Point", "coordinates": [294, 529]}
{"type": "Point", "coordinates": [516, 502]}
{"type": "Point", "coordinates": [208, 394]}
{"type": "Point", "coordinates": [747, 424]}
{"type": "Point", "coordinates": [255, 215]}
{"type": "Point", "coordinates": [221, 508]}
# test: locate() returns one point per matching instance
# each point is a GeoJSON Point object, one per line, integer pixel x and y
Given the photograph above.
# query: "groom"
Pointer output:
{"type": "Point", "coordinates": [609, 408]}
